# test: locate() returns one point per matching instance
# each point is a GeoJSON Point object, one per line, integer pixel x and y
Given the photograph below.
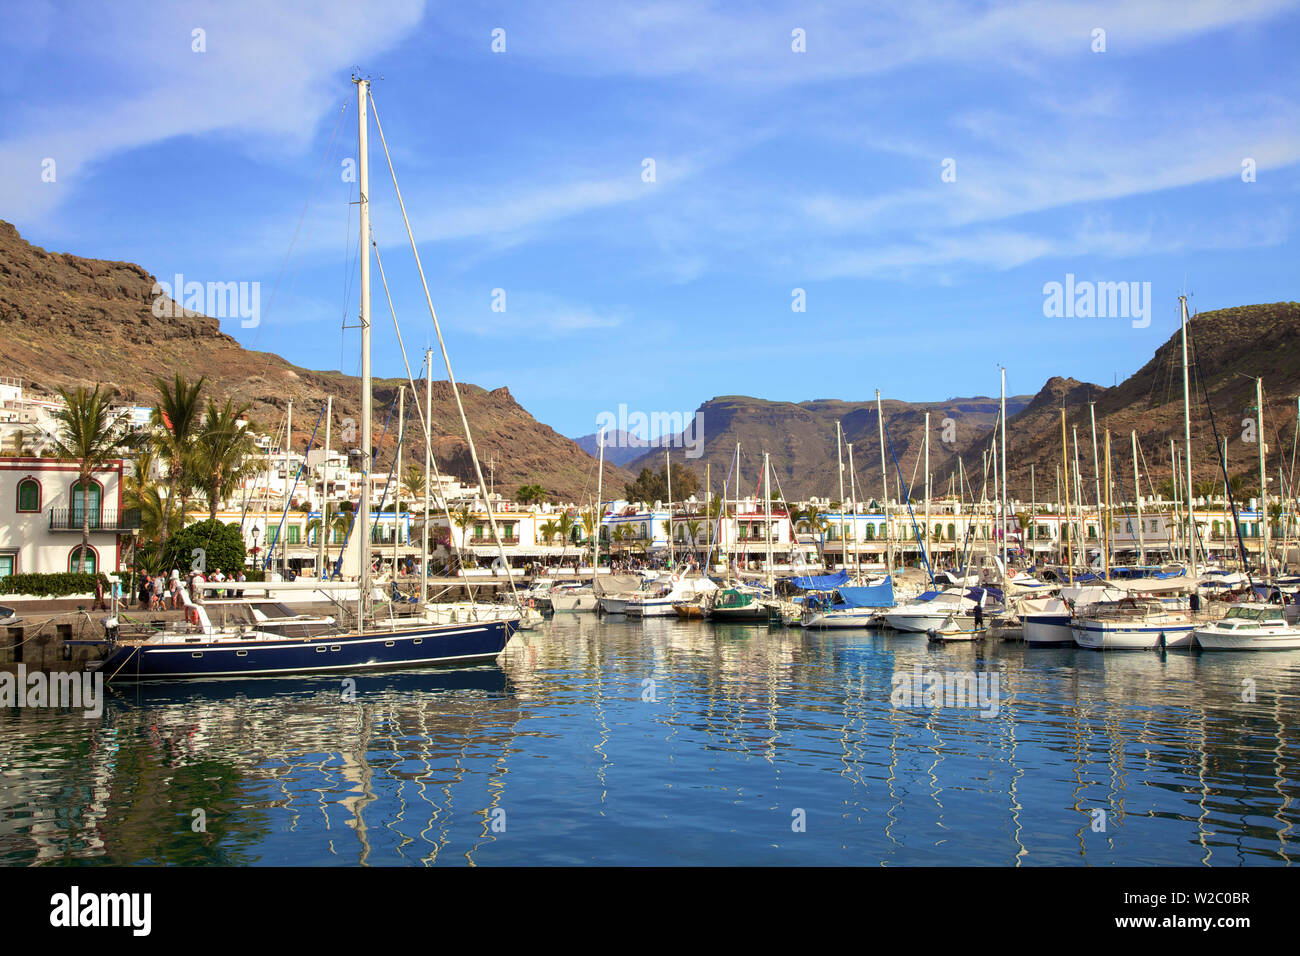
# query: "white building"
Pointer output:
{"type": "Point", "coordinates": [43, 507]}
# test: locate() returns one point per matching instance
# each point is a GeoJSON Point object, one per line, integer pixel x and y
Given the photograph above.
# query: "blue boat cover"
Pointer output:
{"type": "Point", "coordinates": [878, 595]}
{"type": "Point", "coordinates": [821, 582]}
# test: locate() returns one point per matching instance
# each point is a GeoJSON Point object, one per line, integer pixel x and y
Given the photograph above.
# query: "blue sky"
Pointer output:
{"type": "Point", "coordinates": [775, 170]}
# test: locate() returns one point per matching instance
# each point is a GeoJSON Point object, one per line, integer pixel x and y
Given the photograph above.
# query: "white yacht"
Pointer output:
{"type": "Point", "coordinates": [1047, 620]}
{"type": "Point", "coordinates": [1250, 627]}
{"type": "Point", "coordinates": [659, 602]}
{"type": "Point", "coordinates": [1134, 623]}
{"type": "Point", "coordinates": [934, 608]}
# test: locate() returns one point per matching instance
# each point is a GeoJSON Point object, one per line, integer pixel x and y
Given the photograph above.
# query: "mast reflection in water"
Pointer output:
{"type": "Point", "coordinates": [676, 742]}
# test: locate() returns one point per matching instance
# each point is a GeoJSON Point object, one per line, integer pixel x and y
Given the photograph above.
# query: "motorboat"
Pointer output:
{"type": "Point", "coordinates": [1134, 623]}
{"type": "Point", "coordinates": [953, 631]}
{"type": "Point", "coordinates": [736, 605]}
{"type": "Point", "coordinates": [659, 601]}
{"type": "Point", "coordinates": [933, 608]}
{"type": "Point", "coordinates": [1250, 627]}
{"type": "Point", "coordinates": [1047, 620]}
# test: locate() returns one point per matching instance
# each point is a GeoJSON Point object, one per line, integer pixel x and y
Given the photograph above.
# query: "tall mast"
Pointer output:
{"type": "Point", "coordinates": [288, 450]}
{"type": "Point", "coordinates": [1004, 476]}
{"type": "Point", "coordinates": [1096, 468]}
{"type": "Point", "coordinates": [884, 487]}
{"type": "Point", "coordinates": [397, 472]}
{"type": "Point", "coordinates": [925, 538]}
{"type": "Point", "coordinates": [1078, 497]}
{"type": "Point", "coordinates": [325, 493]}
{"type": "Point", "coordinates": [1263, 479]}
{"type": "Point", "coordinates": [363, 512]}
{"type": "Point", "coordinates": [668, 470]}
{"type": "Point", "coordinates": [1033, 511]}
{"type": "Point", "coordinates": [1106, 526]}
{"type": "Point", "coordinates": [1060, 542]}
{"type": "Point", "coordinates": [839, 461]}
{"type": "Point", "coordinates": [1178, 510]}
{"type": "Point", "coordinates": [767, 506]}
{"type": "Point", "coordinates": [853, 493]}
{"type": "Point", "coordinates": [600, 509]}
{"type": "Point", "coordinates": [428, 474]}
{"type": "Point", "coordinates": [1187, 439]}
{"type": "Point", "coordinates": [1137, 497]}
{"type": "Point", "coordinates": [1069, 541]}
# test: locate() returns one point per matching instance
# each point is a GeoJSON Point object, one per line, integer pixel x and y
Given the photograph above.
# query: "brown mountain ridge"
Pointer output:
{"type": "Point", "coordinates": [70, 321]}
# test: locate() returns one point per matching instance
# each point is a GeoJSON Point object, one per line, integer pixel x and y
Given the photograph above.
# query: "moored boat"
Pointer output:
{"type": "Point", "coordinates": [1250, 627]}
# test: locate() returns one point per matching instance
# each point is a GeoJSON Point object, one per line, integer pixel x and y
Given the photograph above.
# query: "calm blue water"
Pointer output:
{"type": "Point", "coordinates": [664, 742]}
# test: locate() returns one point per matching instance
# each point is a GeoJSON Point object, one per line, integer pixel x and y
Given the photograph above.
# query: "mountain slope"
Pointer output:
{"type": "Point", "coordinates": [1233, 346]}
{"type": "Point", "coordinates": [68, 321]}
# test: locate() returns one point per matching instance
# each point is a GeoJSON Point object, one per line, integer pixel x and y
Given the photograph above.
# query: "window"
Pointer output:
{"type": "Point", "coordinates": [29, 495]}
{"type": "Point", "coordinates": [952, 532]}
{"type": "Point", "coordinates": [871, 532]}
{"type": "Point", "coordinates": [83, 500]}
{"type": "Point", "coordinates": [7, 564]}
{"type": "Point", "coordinates": [295, 534]}
{"type": "Point", "coordinates": [74, 560]}
{"type": "Point", "coordinates": [339, 534]}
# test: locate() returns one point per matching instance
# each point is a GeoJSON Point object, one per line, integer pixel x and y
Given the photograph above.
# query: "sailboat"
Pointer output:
{"type": "Point", "coordinates": [254, 644]}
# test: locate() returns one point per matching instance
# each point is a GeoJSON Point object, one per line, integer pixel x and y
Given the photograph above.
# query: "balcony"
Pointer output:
{"type": "Point", "coordinates": [104, 520]}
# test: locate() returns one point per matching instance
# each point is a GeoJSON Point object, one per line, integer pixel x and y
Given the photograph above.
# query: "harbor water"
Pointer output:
{"type": "Point", "coordinates": [665, 742]}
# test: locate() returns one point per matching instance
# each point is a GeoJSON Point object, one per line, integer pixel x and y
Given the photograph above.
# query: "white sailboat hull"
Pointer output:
{"type": "Point", "coordinates": [1048, 629]}
{"type": "Point", "coordinates": [1131, 636]}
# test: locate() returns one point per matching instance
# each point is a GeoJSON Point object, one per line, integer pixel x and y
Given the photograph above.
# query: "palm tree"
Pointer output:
{"type": "Point", "coordinates": [413, 482]}
{"type": "Point", "coordinates": [223, 453]}
{"type": "Point", "coordinates": [87, 432]}
{"type": "Point", "coordinates": [566, 526]}
{"type": "Point", "coordinates": [549, 530]}
{"type": "Point", "coordinates": [140, 492]}
{"type": "Point", "coordinates": [530, 494]}
{"type": "Point", "coordinates": [177, 417]}
{"type": "Point", "coordinates": [693, 530]}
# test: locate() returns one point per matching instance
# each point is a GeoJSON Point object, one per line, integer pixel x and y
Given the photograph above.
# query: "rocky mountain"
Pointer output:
{"type": "Point", "coordinates": [1228, 349]}
{"type": "Point", "coordinates": [801, 441]}
{"type": "Point", "coordinates": [70, 321]}
{"type": "Point", "coordinates": [620, 447]}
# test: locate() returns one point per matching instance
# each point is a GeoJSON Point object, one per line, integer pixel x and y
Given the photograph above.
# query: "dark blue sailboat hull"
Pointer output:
{"type": "Point", "coordinates": [435, 644]}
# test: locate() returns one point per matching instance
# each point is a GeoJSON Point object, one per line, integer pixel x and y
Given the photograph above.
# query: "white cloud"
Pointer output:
{"type": "Point", "coordinates": [269, 74]}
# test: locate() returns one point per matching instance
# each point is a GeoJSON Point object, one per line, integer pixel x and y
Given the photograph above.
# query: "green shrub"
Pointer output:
{"type": "Point", "coordinates": [59, 584]}
{"type": "Point", "coordinates": [219, 545]}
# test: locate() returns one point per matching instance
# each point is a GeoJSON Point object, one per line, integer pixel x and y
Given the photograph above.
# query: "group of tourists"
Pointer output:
{"type": "Point", "coordinates": [160, 592]}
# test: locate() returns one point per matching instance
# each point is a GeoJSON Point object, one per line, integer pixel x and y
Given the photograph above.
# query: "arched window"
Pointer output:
{"type": "Point", "coordinates": [29, 495]}
{"type": "Point", "coordinates": [86, 499]}
{"type": "Point", "coordinates": [74, 560]}
{"type": "Point", "coordinates": [871, 532]}
{"type": "Point", "coordinates": [952, 532]}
